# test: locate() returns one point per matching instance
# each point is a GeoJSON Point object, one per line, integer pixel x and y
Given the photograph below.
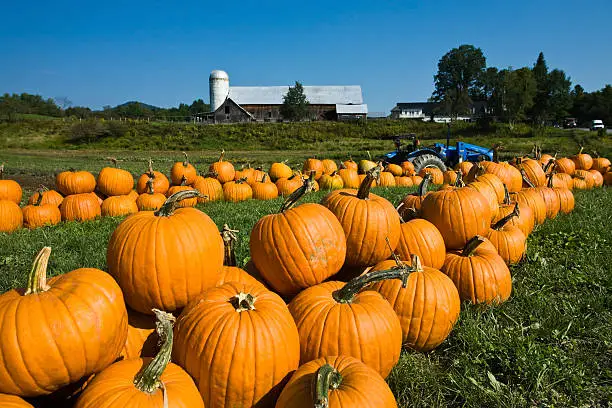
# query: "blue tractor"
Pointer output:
{"type": "Point", "coordinates": [440, 155]}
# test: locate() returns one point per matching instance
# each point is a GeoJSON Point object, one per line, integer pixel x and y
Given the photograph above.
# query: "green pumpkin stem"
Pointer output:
{"type": "Point", "coordinates": [241, 180]}
{"type": "Point", "coordinates": [352, 287]}
{"type": "Point", "coordinates": [292, 200]}
{"type": "Point", "coordinates": [243, 302]}
{"type": "Point", "coordinates": [148, 380]}
{"type": "Point", "coordinates": [222, 155]}
{"type": "Point", "coordinates": [471, 245]}
{"type": "Point", "coordinates": [422, 191]}
{"type": "Point", "coordinates": [364, 188]}
{"type": "Point", "coordinates": [548, 165]}
{"type": "Point", "coordinates": [40, 192]}
{"type": "Point", "coordinates": [525, 178]}
{"type": "Point", "coordinates": [37, 280]}
{"type": "Point", "coordinates": [369, 155]}
{"type": "Point", "coordinates": [549, 177]}
{"type": "Point", "coordinates": [515, 213]}
{"type": "Point", "coordinates": [459, 180]}
{"type": "Point", "coordinates": [327, 379]}
{"type": "Point", "coordinates": [506, 195]}
{"type": "Point", "coordinates": [169, 206]}
{"type": "Point", "coordinates": [229, 241]}
{"type": "Point", "coordinates": [186, 161]}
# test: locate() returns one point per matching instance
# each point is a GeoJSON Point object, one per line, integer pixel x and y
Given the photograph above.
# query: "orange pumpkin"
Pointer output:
{"type": "Point", "coordinates": [150, 201]}
{"type": "Point", "coordinates": [258, 176]}
{"type": "Point", "coordinates": [583, 181]}
{"type": "Point", "coordinates": [248, 174]}
{"type": "Point", "coordinates": [514, 176]}
{"type": "Point", "coordinates": [408, 168]}
{"type": "Point", "coordinates": [279, 171]}
{"type": "Point", "coordinates": [394, 169]}
{"type": "Point", "coordinates": [479, 273]}
{"type": "Point", "coordinates": [80, 207]}
{"type": "Point", "coordinates": [363, 176]}
{"type": "Point", "coordinates": [464, 167]}
{"type": "Point", "coordinates": [12, 401]}
{"type": "Point", "coordinates": [331, 181]}
{"type": "Point", "coordinates": [599, 180]}
{"type": "Point", "coordinates": [298, 247]}
{"type": "Point", "coordinates": [601, 164]}
{"type": "Point", "coordinates": [329, 166]}
{"type": "Point", "coordinates": [420, 237]}
{"type": "Point", "coordinates": [437, 175]}
{"type": "Point", "coordinates": [531, 198]}
{"type": "Point", "coordinates": [113, 181]}
{"type": "Point", "coordinates": [182, 170]}
{"type": "Point", "coordinates": [37, 215]}
{"type": "Point", "coordinates": [154, 383]}
{"type": "Point", "coordinates": [315, 166]}
{"type": "Point", "coordinates": [551, 200]}
{"type": "Point", "coordinates": [186, 202]}
{"type": "Point", "coordinates": [339, 382]}
{"type": "Point", "coordinates": [48, 197]}
{"type": "Point", "coordinates": [489, 193]}
{"type": "Point", "coordinates": [415, 199]}
{"type": "Point", "coordinates": [236, 191]}
{"type": "Point", "coordinates": [349, 322]}
{"type": "Point", "coordinates": [350, 164]}
{"type": "Point", "coordinates": [240, 341]}
{"type": "Point", "coordinates": [368, 220]}
{"type": "Point", "coordinates": [9, 189]}
{"type": "Point", "coordinates": [427, 306]}
{"type": "Point", "coordinates": [166, 258]}
{"type": "Point", "coordinates": [561, 180]}
{"type": "Point", "coordinates": [350, 178]}
{"type": "Point", "coordinates": [142, 340]}
{"type": "Point", "coordinates": [566, 198]}
{"type": "Point", "coordinates": [608, 178]}
{"type": "Point", "coordinates": [75, 182]}
{"type": "Point", "coordinates": [210, 188]}
{"type": "Point", "coordinates": [265, 189]}
{"type": "Point", "coordinates": [161, 184]}
{"type": "Point", "coordinates": [524, 219]}
{"type": "Point", "coordinates": [118, 206]}
{"type": "Point", "coordinates": [582, 161]}
{"type": "Point", "coordinates": [458, 214]}
{"type": "Point", "coordinates": [11, 216]}
{"type": "Point", "coordinates": [231, 272]}
{"type": "Point", "coordinates": [532, 172]}
{"type": "Point", "coordinates": [403, 181]}
{"type": "Point", "coordinates": [82, 311]}
{"type": "Point", "coordinates": [286, 186]}
{"type": "Point", "coordinates": [565, 165]}
{"type": "Point", "coordinates": [508, 239]}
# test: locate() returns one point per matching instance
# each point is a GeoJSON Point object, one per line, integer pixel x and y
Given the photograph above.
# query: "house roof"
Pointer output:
{"type": "Point", "coordinates": [352, 109]}
{"type": "Point", "coordinates": [316, 95]}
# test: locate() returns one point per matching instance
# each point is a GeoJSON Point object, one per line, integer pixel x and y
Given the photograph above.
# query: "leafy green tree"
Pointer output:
{"type": "Point", "coordinates": [559, 98]}
{"type": "Point", "coordinates": [459, 71]}
{"type": "Point", "coordinates": [295, 104]}
{"type": "Point", "coordinates": [539, 112]}
{"type": "Point", "coordinates": [516, 93]}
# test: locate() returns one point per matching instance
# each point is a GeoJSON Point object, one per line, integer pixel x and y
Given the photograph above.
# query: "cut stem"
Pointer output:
{"type": "Point", "coordinates": [327, 379]}
{"type": "Point", "coordinates": [292, 200]}
{"type": "Point", "coordinates": [243, 302]}
{"type": "Point", "coordinates": [471, 245]}
{"type": "Point", "coordinates": [351, 288]}
{"type": "Point", "coordinates": [150, 186]}
{"type": "Point", "coordinates": [186, 161]}
{"type": "Point", "coordinates": [422, 191]}
{"type": "Point", "coordinates": [2, 171]}
{"type": "Point", "coordinates": [364, 188]}
{"type": "Point", "coordinates": [148, 380]}
{"type": "Point", "coordinates": [501, 223]}
{"type": "Point", "coordinates": [37, 279]}
{"type": "Point", "coordinates": [169, 206]}
{"type": "Point", "coordinates": [229, 242]}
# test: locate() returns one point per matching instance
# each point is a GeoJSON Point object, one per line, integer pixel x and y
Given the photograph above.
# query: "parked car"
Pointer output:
{"type": "Point", "coordinates": [570, 123]}
{"type": "Point", "coordinates": [597, 124]}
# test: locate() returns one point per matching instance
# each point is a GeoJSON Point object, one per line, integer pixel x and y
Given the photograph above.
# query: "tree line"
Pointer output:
{"type": "Point", "coordinates": [533, 94]}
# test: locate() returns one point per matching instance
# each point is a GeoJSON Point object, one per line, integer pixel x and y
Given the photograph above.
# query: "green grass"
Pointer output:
{"type": "Point", "coordinates": [549, 345]}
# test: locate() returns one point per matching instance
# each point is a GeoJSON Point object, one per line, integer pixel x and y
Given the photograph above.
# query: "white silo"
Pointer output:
{"type": "Point", "coordinates": [218, 84]}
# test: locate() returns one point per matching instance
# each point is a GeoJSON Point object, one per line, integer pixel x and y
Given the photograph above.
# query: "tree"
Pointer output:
{"type": "Point", "coordinates": [63, 102]}
{"type": "Point", "coordinates": [539, 112]}
{"type": "Point", "coordinates": [458, 73]}
{"type": "Point", "coordinates": [516, 93]}
{"type": "Point", "coordinates": [295, 105]}
{"type": "Point", "coordinates": [559, 97]}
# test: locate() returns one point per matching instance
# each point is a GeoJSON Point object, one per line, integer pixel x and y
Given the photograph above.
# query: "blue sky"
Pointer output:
{"type": "Point", "coordinates": [106, 53]}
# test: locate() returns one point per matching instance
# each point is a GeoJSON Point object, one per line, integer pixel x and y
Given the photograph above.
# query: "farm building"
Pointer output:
{"type": "Point", "coordinates": [231, 104]}
{"type": "Point", "coordinates": [427, 111]}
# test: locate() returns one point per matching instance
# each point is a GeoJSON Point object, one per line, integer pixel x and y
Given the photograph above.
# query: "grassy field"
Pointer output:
{"type": "Point", "coordinates": [549, 345]}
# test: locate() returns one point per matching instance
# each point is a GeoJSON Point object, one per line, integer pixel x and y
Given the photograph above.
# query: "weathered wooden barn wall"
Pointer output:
{"type": "Point", "coordinates": [271, 113]}
{"type": "Point", "coordinates": [230, 112]}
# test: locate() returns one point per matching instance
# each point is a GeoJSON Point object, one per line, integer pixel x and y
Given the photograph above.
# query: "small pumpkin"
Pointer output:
{"type": "Point", "coordinates": [336, 382]}
{"type": "Point", "coordinates": [366, 165]}
{"type": "Point", "coordinates": [118, 206]}
{"type": "Point", "coordinates": [350, 322]}
{"type": "Point", "coordinates": [551, 200]}
{"type": "Point", "coordinates": [608, 178]}
{"type": "Point", "coordinates": [331, 181]}
{"type": "Point", "coordinates": [508, 239]}
{"type": "Point", "coordinates": [75, 182]}
{"type": "Point", "coordinates": [113, 181]}
{"type": "Point", "coordinates": [350, 164]}
{"type": "Point", "coordinates": [524, 219]}
{"type": "Point", "coordinates": [142, 340]}
{"type": "Point", "coordinates": [315, 166]}
{"type": "Point", "coordinates": [48, 197]}
{"type": "Point", "coordinates": [166, 258]}
{"type": "Point", "coordinates": [265, 189]}
{"type": "Point", "coordinates": [150, 201]}
{"type": "Point", "coordinates": [464, 167]}
{"type": "Point", "coordinates": [37, 215]}
{"type": "Point", "coordinates": [186, 202]}
{"type": "Point", "coordinates": [407, 168]}
{"type": "Point", "coordinates": [80, 207]}
{"type": "Point", "coordinates": [161, 184]}
{"type": "Point", "coordinates": [329, 166]}
{"type": "Point", "coordinates": [248, 174]}
{"type": "Point", "coordinates": [350, 178]}
{"type": "Point", "coordinates": [210, 188]}
{"type": "Point", "coordinates": [394, 169]}
{"type": "Point", "coordinates": [280, 170]}
{"type": "Point", "coordinates": [582, 160]}
{"type": "Point", "coordinates": [599, 180]}
{"type": "Point", "coordinates": [437, 175]}
{"type": "Point", "coordinates": [531, 198]}
{"type": "Point", "coordinates": [479, 273]}
{"type": "Point", "coordinates": [601, 164]}
{"type": "Point", "coordinates": [11, 216]}
{"type": "Point", "coordinates": [286, 186]}
{"type": "Point", "coordinates": [532, 172]}
{"type": "Point", "coordinates": [236, 191]}
{"type": "Point", "coordinates": [566, 198]}
{"type": "Point", "coordinates": [386, 179]}
{"type": "Point", "coordinates": [414, 200]}
{"type": "Point", "coordinates": [230, 271]}
{"type": "Point", "coordinates": [9, 189]}
{"type": "Point", "coordinates": [82, 311]}
{"type": "Point", "coordinates": [583, 182]}
{"type": "Point", "coordinates": [299, 246]}
{"type": "Point", "coordinates": [403, 181]}
{"type": "Point", "coordinates": [240, 341]}
{"type": "Point", "coordinates": [154, 383]}
{"type": "Point", "coordinates": [182, 170]}
{"type": "Point", "coordinates": [515, 177]}
{"type": "Point", "coordinates": [420, 237]}
{"type": "Point", "coordinates": [565, 165]}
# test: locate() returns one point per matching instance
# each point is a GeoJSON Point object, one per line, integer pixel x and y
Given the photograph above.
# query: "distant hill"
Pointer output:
{"type": "Point", "coordinates": [142, 105]}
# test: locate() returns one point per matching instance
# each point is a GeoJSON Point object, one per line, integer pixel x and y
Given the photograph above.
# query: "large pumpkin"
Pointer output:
{"type": "Point", "coordinates": [524, 218]}
{"type": "Point", "coordinates": [75, 182]}
{"type": "Point", "coordinates": [236, 191]}
{"type": "Point", "coordinates": [80, 207]}
{"type": "Point", "coordinates": [508, 239]}
{"type": "Point", "coordinates": [336, 382]}
{"type": "Point", "coordinates": [350, 178]}
{"type": "Point", "coordinates": [299, 246]}
{"type": "Point", "coordinates": [479, 273]}
{"type": "Point", "coordinates": [166, 258]}
{"type": "Point", "coordinates": [161, 184]}
{"type": "Point", "coordinates": [240, 345]}
{"type": "Point", "coordinates": [415, 200]}
{"type": "Point", "coordinates": [427, 306]}
{"type": "Point", "coordinates": [464, 167]}
{"type": "Point", "coordinates": [9, 189]}
{"type": "Point", "coordinates": [118, 206]}
{"type": "Point", "coordinates": [62, 330]}
{"type": "Point", "coordinates": [286, 186]}
{"type": "Point", "coordinates": [530, 197]}
{"type": "Point", "coordinates": [533, 174]}
{"type": "Point", "coordinates": [48, 197]}
{"type": "Point", "coordinates": [336, 318]}
{"type": "Point", "coordinates": [368, 221]}
{"type": "Point", "coordinates": [13, 401]}
{"type": "Point", "coordinates": [280, 170]}
{"type": "Point", "coordinates": [265, 189]}
{"type": "Point", "coordinates": [183, 169]}
{"type": "Point", "coordinates": [582, 161]}
{"type": "Point", "coordinates": [329, 166]}
{"type": "Point", "coordinates": [210, 188]}
{"type": "Point", "coordinates": [313, 166]}
{"type": "Point", "coordinates": [420, 237]}
{"type": "Point", "coordinates": [565, 165]}
{"type": "Point", "coordinates": [37, 215]}
{"type": "Point", "coordinates": [515, 177]}
{"type": "Point", "coordinates": [11, 216]}
{"type": "Point", "coordinates": [113, 181]}
{"type": "Point", "coordinates": [458, 214]}
{"type": "Point", "coordinates": [151, 383]}
{"type": "Point", "coordinates": [489, 193]}
{"type": "Point", "coordinates": [601, 164]}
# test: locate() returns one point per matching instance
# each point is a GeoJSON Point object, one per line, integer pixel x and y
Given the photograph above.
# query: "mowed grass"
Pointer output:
{"type": "Point", "coordinates": [549, 345]}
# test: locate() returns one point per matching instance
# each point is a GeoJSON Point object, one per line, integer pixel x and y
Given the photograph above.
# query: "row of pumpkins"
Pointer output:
{"type": "Point", "coordinates": [360, 280]}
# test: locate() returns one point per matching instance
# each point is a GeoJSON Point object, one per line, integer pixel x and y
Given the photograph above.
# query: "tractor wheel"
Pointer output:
{"type": "Point", "coordinates": [427, 160]}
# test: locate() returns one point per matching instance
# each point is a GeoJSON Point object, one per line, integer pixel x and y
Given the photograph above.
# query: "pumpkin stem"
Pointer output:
{"type": "Point", "coordinates": [408, 213]}
{"type": "Point", "coordinates": [150, 169]}
{"type": "Point", "coordinates": [264, 177]}
{"type": "Point", "coordinates": [40, 192]}
{"type": "Point", "coordinates": [148, 379]}
{"type": "Point", "coordinates": [427, 178]}
{"type": "Point", "coordinates": [515, 213]}
{"type": "Point", "coordinates": [229, 241]}
{"type": "Point", "coordinates": [327, 379]}
{"type": "Point", "coordinates": [369, 155]}
{"type": "Point", "coordinates": [183, 181]}
{"type": "Point", "coordinates": [150, 185]}
{"type": "Point", "coordinates": [459, 180]}
{"type": "Point", "coordinates": [525, 178]}
{"type": "Point", "coordinates": [548, 165]}
{"type": "Point", "coordinates": [241, 180]}
{"type": "Point", "coordinates": [222, 155]}
{"type": "Point", "coordinates": [506, 195]}
{"type": "Point", "coordinates": [364, 188]}
{"type": "Point", "coordinates": [169, 206]}
{"type": "Point", "coordinates": [243, 302]}
{"type": "Point", "coordinates": [37, 280]}
{"type": "Point", "coordinates": [2, 171]}
{"type": "Point", "coordinates": [581, 149]}
{"type": "Point", "coordinates": [299, 193]}
{"type": "Point", "coordinates": [114, 161]}
{"type": "Point", "coordinates": [416, 263]}
{"type": "Point", "coordinates": [212, 174]}
{"type": "Point", "coordinates": [186, 161]}
{"type": "Point", "coordinates": [352, 287]}
{"type": "Point", "coordinates": [471, 245]}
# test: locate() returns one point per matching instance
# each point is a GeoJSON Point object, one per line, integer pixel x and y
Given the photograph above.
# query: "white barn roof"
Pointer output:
{"type": "Point", "coordinates": [316, 95]}
{"type": "Point", "coordinates": [352, 109]}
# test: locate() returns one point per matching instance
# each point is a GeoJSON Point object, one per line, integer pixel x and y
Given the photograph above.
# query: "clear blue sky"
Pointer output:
{"type": "Point", "coordinates": [106, 53]}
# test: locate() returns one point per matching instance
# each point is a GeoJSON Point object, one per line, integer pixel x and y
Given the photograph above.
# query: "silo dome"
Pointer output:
{"type": "Point", "coordinates": [218, 83]}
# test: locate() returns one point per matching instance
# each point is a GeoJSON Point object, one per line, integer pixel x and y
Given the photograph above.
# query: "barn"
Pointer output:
{"type": "Point", "coordinates": [232, 104]}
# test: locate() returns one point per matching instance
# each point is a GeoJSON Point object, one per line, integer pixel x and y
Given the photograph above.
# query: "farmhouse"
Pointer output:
{"type": "Point", "coordinates": [231, 104]}
{"type": "Point", "coordinates": [428, 111]}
